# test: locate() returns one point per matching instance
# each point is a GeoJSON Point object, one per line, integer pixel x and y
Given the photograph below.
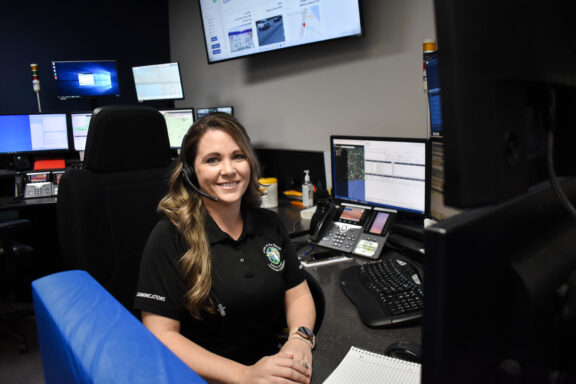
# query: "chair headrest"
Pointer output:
{"type": "Point", "coordinates": [122, 138]}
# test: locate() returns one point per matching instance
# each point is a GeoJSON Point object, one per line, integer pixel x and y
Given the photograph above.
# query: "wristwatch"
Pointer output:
{"type": "Point", "coordinates": [307, 334]}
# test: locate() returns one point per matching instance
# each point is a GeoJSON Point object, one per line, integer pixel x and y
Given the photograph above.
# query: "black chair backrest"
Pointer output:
{"type": "Point", "coordinates": [107, 209]}
{"type": "Point", "coordinates": [319, 300]}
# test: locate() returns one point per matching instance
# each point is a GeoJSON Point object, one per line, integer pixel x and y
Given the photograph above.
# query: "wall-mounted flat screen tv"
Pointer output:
{"type": "Point", "coordinates": [234, 29]}
{"type": "Point", "coordinates": [158, 82]}
{"type": "Point", "coordinates": [86, 79]}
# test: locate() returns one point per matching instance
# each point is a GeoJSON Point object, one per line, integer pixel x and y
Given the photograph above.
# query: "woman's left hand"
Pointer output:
{"type": "Point", "coordinates": [301, 351]}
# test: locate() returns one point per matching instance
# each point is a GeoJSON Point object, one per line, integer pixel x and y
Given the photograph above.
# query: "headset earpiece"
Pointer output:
{"type": "Point", "coordinates": [188, 173]}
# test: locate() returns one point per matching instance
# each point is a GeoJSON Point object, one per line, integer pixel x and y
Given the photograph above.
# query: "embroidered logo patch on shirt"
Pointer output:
{"type": "Point", "coordinates": [272, 252]}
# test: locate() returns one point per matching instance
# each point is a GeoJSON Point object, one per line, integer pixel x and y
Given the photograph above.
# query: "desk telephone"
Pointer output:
{"type": "Point", "coordinates": [352, 228]}
{"type": "Point", "coordinates": [37, 184]}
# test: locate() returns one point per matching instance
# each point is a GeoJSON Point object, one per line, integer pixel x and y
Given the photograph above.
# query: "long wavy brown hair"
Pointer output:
{"type": "Point", "coordinates": [185, 208]}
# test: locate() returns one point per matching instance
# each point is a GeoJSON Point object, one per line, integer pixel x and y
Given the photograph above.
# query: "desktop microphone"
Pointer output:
{"type": "Point", "coordinates": [194, 187]}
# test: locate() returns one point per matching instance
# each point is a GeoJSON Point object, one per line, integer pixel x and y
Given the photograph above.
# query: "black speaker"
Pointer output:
{"type": "Point", "coordinates": [21, 163]}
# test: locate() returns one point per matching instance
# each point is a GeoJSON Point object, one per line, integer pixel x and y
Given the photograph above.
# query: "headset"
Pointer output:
{"type": "Point", "coordinates": [188, 173]}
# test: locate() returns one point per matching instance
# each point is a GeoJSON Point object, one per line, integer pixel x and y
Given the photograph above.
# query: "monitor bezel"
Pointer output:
{"type": "Point", "coordinates": [401, 212]}
{"type": "Point", "coordinates": [140, 100]}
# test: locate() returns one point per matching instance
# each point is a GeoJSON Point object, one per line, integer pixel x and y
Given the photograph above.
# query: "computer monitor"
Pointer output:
{"type": "Point", "coordinates": [80, 122]}
{"type": "Point", "coordinates": [235, 29]}
{"type": "Point", "coordinates": [380, 171]}
{"type": "Point", "coordinates": [201, 112]}
{"type": "Point", "coordinates": [434, 93]}
{"type": "Point", "coordinates": [508, 78]}
{"type": "Point", "coordinates": [158, 82]}
{"type": "Point", "coordinates": [500, 293]}
{"type": "Point", "coordinates": [178, 121]}
{"type": "Point", "coordinates": [86, 79]}
{"type": "Point", "coordinates": [33, 133]}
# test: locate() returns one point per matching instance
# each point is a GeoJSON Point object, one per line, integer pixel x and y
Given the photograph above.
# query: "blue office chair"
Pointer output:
{"type": "Point", "coordinates": [107, 209]}
{"type": "Point", "coordinates": [87, 336]}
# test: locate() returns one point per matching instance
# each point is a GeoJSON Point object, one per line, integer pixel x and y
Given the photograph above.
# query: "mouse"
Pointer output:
{"type": "Point", "coordinates": [405, 350]}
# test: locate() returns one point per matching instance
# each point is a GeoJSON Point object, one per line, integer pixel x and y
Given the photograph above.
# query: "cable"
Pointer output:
{"type": "Point", "coordinates": [550, 157]}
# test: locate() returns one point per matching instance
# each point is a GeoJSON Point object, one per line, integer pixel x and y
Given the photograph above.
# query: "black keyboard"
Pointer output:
{"type": "Point", "coordinates": [386, 292]}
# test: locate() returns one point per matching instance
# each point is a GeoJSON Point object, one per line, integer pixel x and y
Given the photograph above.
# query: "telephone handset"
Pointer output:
{"type": "Point", "coordinates": [324, 215]}
{"type": "Point", "coordinates": [351, 228]}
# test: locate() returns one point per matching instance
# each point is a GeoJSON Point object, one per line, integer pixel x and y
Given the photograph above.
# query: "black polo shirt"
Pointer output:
{"type": "Point", "coordinates": [250, 278]}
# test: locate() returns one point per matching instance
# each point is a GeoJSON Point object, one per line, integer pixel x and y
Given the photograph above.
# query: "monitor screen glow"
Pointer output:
{"type": "Point", "coordinates": [34, 132]}
{"type": "Point", "coordinates": [178, 121]}
{"type": "Point", "coordinates": [387, 172]}
{"type": "Point", "coordinates": [158, 82]}
{"type": "Point", "coordinates": [86, 79]}
{"type": "Point", "coordinates": [234, 29]}
{"type": "Point", "coordinates": [80, 124]}
{"type": "Point", "coordinates": [201, 112]}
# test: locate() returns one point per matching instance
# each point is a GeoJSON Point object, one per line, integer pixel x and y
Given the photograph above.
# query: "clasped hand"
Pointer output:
{"type": "Point", "coordinates": [293, 364]}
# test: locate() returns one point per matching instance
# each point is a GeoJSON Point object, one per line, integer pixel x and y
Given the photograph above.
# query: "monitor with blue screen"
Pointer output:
{"type": "Point", "coordinates": [434, 95]}
{"type": "Point", "coordinates": [86, 79]}
{"type": "Point", "coordinates": [33, 132]}
{"type": "Point", "coordinates": [386, 172]}
{"type": "Point", "coordinates": [177, 122]}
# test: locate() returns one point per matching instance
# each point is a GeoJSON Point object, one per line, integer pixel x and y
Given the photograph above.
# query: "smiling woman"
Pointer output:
{"type": "Point", "coordinates": [225, 266]}
{"type": "Point", "coordinates": [222, 168]}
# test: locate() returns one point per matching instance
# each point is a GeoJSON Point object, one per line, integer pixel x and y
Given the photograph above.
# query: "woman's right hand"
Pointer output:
{"type": "Point", "coordinates": [278, 368]}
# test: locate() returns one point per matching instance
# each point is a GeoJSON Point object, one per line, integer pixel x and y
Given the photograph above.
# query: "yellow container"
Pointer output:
{"type": "Point", "coordinates": [269, 188]}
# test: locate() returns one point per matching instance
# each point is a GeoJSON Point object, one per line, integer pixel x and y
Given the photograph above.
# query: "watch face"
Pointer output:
{"type": "Point", "coordinates": [308, 332]}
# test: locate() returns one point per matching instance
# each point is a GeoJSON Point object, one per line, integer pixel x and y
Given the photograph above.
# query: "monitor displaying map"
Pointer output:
{"type": "Point", "coordinates": [177, 122]}
{"type": "Point", "coordinates": [237, 28]}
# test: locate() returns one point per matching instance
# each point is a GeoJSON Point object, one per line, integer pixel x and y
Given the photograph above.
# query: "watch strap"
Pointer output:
{"type": "Point", "coordinates": [304, 333]}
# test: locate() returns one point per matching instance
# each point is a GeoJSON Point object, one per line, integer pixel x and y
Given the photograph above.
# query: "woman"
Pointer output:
{"type": "Point", "coordinates": [218, 272]}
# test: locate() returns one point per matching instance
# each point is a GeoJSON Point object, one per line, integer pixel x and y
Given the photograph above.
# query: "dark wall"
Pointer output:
{"type": "Point", "coordinates": [129, 31]}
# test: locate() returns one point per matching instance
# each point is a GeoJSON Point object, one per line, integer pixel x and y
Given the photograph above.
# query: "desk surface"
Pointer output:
{"type": "Point", "coordinates": [342, 327]}
{"type": "Point", "coordinates": [11, 203]}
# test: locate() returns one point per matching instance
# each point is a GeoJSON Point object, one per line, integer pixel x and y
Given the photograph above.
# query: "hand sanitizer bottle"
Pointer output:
{"type": "Point", "coordinates": [307, 191]}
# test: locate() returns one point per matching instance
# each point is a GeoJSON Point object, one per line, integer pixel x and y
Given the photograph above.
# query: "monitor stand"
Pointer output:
{"type": "Point", "coordinates": [93, 104]}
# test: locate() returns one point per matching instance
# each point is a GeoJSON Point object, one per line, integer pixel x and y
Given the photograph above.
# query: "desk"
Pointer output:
{"type": "Point", "coordinates": [8, 202]}
{"type": "Point", "coordinates": [342, 326]}
{"type": "Point", "coordinates": [290, 216]}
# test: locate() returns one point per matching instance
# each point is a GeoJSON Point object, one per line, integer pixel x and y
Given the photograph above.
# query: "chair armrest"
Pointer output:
{"type": "Point", "coordinates": [87, 336]}
{"type": "Point", "coordinates": [11, 225]}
